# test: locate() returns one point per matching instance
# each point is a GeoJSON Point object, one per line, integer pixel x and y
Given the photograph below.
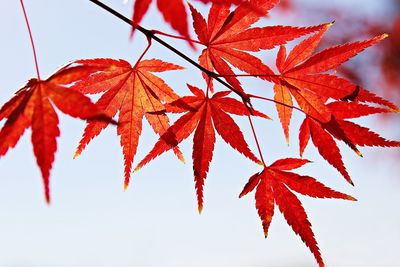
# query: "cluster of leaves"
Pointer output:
{"type": "Point", "coordinates": [229, 43]}
{"type": "Point", "coordinates": [383, 60]}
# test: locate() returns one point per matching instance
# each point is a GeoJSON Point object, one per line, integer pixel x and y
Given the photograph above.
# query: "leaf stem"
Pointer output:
{"type": "Point", "coordinates": [31, 38]}
{"type": "Point", "coordinates": [256, 139]}
{"type": "Point", "coordinates": [144, 52]}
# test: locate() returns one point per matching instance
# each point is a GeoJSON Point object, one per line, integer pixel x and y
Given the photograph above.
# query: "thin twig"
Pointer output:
{"type": "Point", "coordinates": [176, 36]}
{"type": "Point", "coordinates": [144, 52]}
{"type": "Point", "coordinates": [256, 139]}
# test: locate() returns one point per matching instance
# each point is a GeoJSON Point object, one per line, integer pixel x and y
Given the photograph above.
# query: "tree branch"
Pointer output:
{"type": "Point", "coordinates": [150, 34]}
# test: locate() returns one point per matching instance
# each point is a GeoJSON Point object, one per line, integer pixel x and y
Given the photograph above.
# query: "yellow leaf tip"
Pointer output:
{"type": "Point", "coordinates": [328, 25]}
{"type": "Point", "coordinates": [287, 141]}
{"type": "Point", "coordinates": [268, 118]}
{"type": "Point", "coordinates": [265, 234]}
{"type": "Point", "coordinates": [384, 36]}
{"type": "Point", "coordinates": [77, 154]}
{"type": "Point", "coordinates": [352, 198]}
{"type": "Point", "coordinates": [137, 168]}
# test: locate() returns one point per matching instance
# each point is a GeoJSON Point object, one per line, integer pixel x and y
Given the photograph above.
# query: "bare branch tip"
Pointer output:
{"type": "Point", "coordinates": [352, 199]}
{"type": "Point", "coordinates": [126, 186]}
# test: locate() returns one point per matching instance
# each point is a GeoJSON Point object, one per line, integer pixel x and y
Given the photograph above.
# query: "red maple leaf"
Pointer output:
{"type": "Point", "coordinates": [169, 9]}
{"type": "Point", "coordinates": [204, 116]}
{"type": "Point", "coordinates": [302, 75]}
{"type": "Point", "coordinates": [173, 9]}
{"type": "Point", "coordinates": [323, 134]}
{"type": "Point", "coordinates": [33, 106]}
{"type": "Point", "coordinates": [229, 37]}
{"type": "Point", "coordinates": [133, 91]}
{"type": "Point", "coordinates": [275, 185]}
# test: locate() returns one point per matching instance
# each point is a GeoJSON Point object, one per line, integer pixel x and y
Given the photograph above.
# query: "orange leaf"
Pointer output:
{"type": "Point", "coordinates": [134, 92]}
{"type": "Point", "coordinates": [284, 99]}
{"type": "Point", "coordinates": [302, 74]}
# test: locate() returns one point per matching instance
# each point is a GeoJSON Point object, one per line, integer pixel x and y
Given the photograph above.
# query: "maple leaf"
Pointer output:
{"type": "Point", "coordinates": [173, 9]}
{"type": "Point", "coordinates": [170, 11]}
{"type": "Point", "coordinates": [302, 77]}
{"type": "Point", "coordinates": [341, 129]}
{"type": "Point", "coordinates": [133, 91]}
{"type": "Point", "coordinates": [229, 38]}
{"type": "Point", "coordinates": [204, 116]}
{"type": "Point", "coordinates": [302, 74]}
{"type": "Point", "coordinates": [33, 106]}
{"type": "Point", "coordinates": [275, 185]}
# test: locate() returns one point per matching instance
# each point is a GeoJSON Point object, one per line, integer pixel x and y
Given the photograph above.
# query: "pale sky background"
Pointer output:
{"type": "Point", "coordinates": [92, 222]}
